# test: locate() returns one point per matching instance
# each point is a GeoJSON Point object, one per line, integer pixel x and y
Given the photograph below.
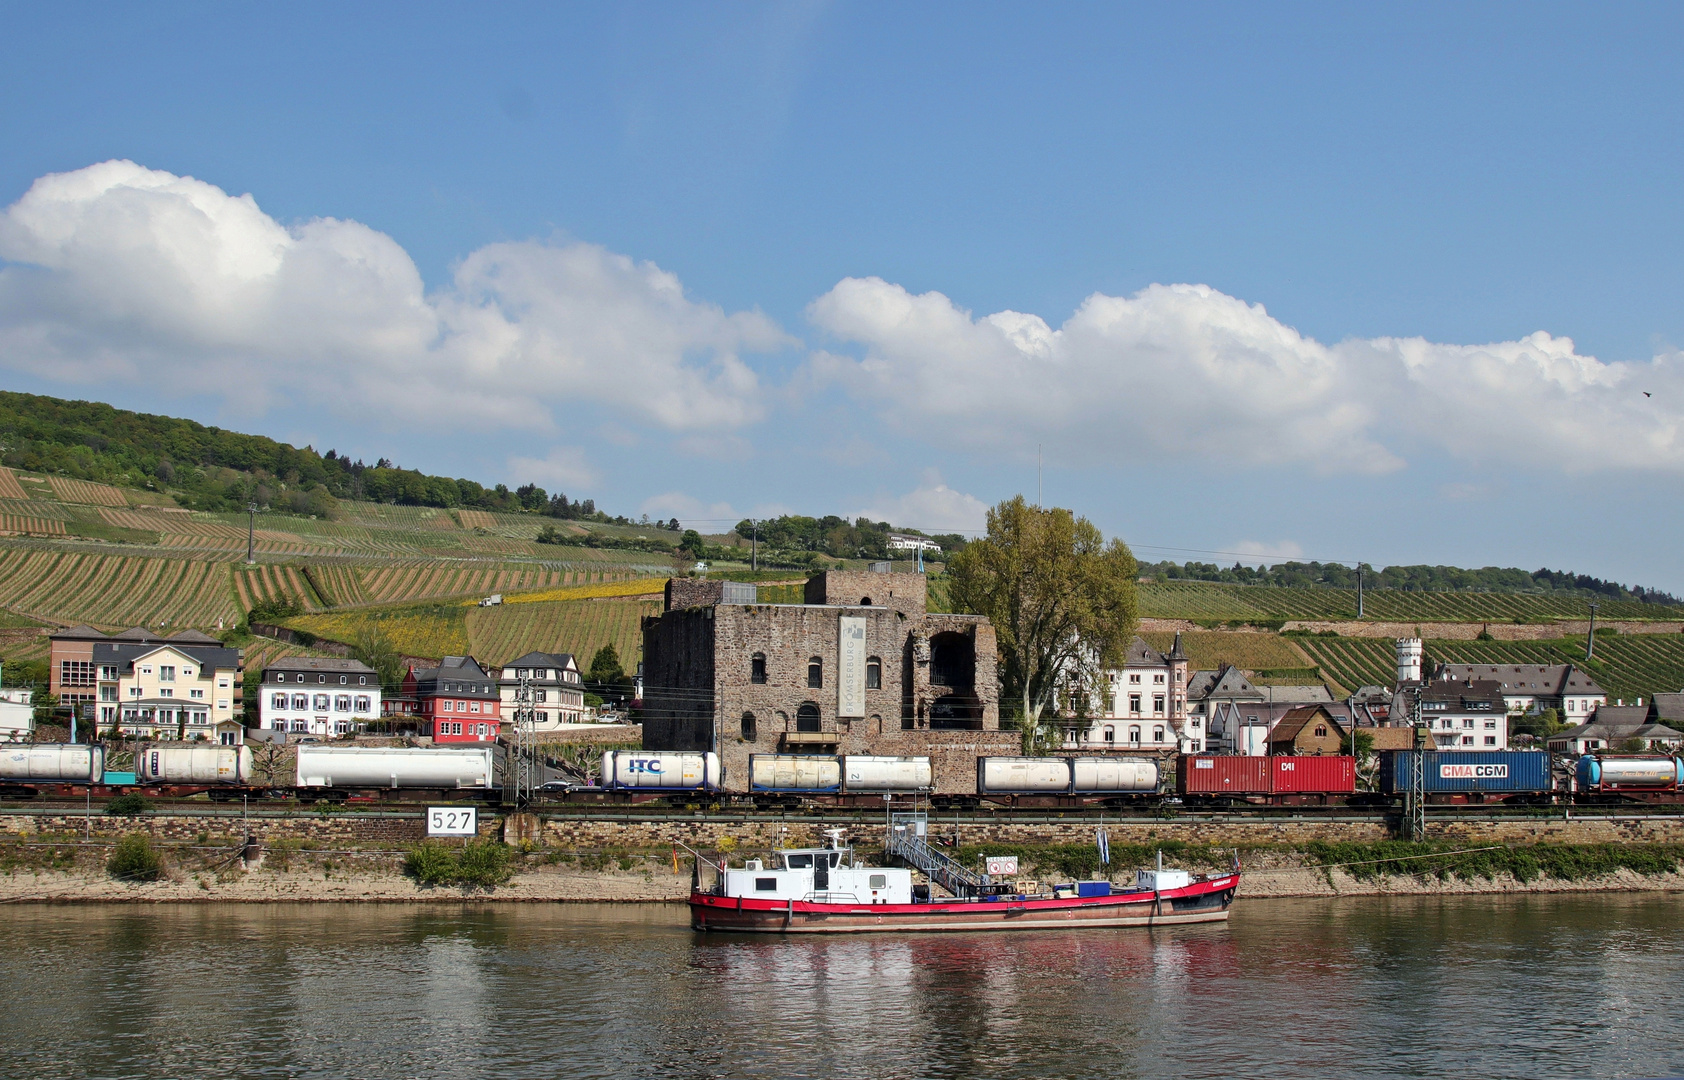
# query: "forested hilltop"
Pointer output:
{"type": "Point", "coordinates": [1409, 579]}
{"type": "Point", "coordinates": [208, 468]}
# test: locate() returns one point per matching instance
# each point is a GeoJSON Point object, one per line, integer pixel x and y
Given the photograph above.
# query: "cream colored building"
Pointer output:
{"type": "Point", "coordinates": [168, 692]}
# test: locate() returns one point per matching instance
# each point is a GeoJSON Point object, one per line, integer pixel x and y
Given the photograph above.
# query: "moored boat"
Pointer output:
{"type": "Point", "coordinates": [825, 890]}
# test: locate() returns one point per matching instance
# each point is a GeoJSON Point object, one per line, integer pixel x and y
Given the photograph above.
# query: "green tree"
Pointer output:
{"type": "Point", "coordinates": [1540, 724]}
{"type": "Point", "coordinates": [373, 648]}
{"type": "Point", "coordinates": [1061, 598]}
{"type": "Point", "coordinates": [605, 666]}
{"type": "Point", "coordinates": [693, 543]}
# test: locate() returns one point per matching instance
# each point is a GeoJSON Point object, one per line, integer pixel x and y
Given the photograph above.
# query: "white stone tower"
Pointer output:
{"type": "Point", "coordinates": [1409, 651]}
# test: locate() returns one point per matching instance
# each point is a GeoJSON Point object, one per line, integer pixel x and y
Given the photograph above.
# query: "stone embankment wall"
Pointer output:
{"type": "Point", "coordinates": [650, 832]}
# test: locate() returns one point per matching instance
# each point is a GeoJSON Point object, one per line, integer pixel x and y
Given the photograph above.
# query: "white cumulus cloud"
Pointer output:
{"type": "Point", "coordinates": [1268, 551]}
{"type": "Point", "coordinates": [118, 272]}
{"type": "Point", "coordinates": [691, 512]}
{"type": "Point", "coordinates": [932, 507]}
{"type": "Point", "coordinates": [1187, 373]}
{"type": "Point", "coordinates": [562, 468]}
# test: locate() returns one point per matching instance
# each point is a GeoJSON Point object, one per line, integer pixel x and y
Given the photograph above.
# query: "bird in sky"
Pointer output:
{"type": "Point", "coordinates": [1647, 394]}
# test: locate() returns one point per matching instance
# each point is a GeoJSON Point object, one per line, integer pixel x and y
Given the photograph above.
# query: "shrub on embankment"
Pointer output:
{"type": "Point", "coordinates": [481, 863]}
{"type": "Point", "coordinates": [1524, 862]}
{"type": "Point", "coordinates": [134, 858]}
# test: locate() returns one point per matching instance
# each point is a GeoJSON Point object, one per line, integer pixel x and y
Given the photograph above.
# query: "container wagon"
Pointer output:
{"type": "Point", "coordinates": [1065, 781]}
{"type": "Point", "coordinates": [794, 773]}
{"type": "Point", "coordinates": [835, 779]}
{"type": "Point", "coordinates": [1629, 778]}
{"type": "Point", "coordinates": [1281, 779]}
{"type": "Point", "coordinates": [1470, 776]}
{"type": "Point", "coordinates": [332, 773]}
{"type": "Point", "coordinates": [193, 766]}
{"type": "Point", "coordinates": [660, 770]}
{"type": "Point", "coordinates": [64, 763]}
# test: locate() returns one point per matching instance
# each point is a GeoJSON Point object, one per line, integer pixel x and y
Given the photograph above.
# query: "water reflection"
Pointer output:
{"type": "Point", "coordinates": [1526, 986]}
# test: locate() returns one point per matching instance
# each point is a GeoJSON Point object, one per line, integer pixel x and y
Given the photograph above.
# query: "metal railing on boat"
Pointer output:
{"type": "Point", "coordinates": [907, 840]}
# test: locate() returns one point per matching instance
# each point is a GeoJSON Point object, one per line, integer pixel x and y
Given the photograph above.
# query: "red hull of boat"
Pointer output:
{"type": "Point", "coordinates": [1201, 901]}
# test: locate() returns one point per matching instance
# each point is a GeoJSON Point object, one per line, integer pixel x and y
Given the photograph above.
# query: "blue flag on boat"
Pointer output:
{"type": "Point", "coordinates": [1104, 847]}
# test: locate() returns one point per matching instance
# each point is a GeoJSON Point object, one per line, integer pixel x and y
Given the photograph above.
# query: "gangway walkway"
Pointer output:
{"type": "Point", "coordinates": [908, 840]}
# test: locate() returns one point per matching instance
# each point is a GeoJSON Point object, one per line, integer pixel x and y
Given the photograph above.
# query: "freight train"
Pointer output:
{"type": "Point", "coordinates": [333, 773]}
{"type": "Point", "coordinates": [225, 772]}
{"type": "Point", "coordinates": [849, 779]}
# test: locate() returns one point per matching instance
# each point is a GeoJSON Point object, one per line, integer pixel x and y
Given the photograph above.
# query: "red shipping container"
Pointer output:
{"type": "Point", "coordinates": [1334, 774]}
{"type": "Point", "coordinates": [1226, 775]}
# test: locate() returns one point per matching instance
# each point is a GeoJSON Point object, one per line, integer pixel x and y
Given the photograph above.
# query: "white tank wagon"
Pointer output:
{"type": "Point", "coordinates": [862, 772]}
{"type": "Point", "coordinates": [1113, 776]}
{"type": "Point", "coordinates": [660, 770]}
{"type": "Point", "coordinates": [794, 772]}
{"type": "Point", "coordinates": [61, 762]}
{"type": "Point", "coordinates": [396, 767]}
{"type": "Point", "coordinates": [1022, 776]}
{"type": "Point", "coordinates": [1066, 776]}
{"type": "Point", "coordinates": [193, 765]}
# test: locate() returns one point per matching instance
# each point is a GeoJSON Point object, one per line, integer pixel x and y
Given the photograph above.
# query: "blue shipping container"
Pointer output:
{"type": "Point", "coordinates": [119, 779]}
{"type": "Point", "coordinates": [1451, 771]}
{"type": "Point", "coordinates": [1093, 888]}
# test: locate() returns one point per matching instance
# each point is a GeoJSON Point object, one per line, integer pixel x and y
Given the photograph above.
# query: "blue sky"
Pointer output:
{"type": "Point", "coordinates": [713, 261]}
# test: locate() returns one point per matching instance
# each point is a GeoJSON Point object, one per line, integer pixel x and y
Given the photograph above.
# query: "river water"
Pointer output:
{"type": "Point", "coordinates": [1521, 986]}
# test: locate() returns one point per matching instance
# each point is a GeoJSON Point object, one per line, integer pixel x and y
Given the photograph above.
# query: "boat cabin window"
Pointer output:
{"type": "Point", "coordinates": [804, 861]}
{"type": "Point", "coordinates": [879, 881]}
{"type": "Point", "coordinates": [765, 884]}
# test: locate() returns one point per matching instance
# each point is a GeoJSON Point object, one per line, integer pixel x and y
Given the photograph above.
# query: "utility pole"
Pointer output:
{"type": "Point", "coordinates": [1590, 639]}
{"type": "Point", "coordinates": [522, 746]}
{"type": "Point", "coordinates": [251, 532]}
{"type": "Point", "coordinates": [754, 564]}
{"type": "Point", "coordinates": [1416, 802]}
{"type": "Point", "coordinates": [1359, 594]}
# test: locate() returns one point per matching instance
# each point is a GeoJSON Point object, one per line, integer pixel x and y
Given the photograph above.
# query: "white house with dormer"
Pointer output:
{"type": "Point", "coordinates": [1144, 706]}
{"type": "Point", "coordinates": [318, 695]}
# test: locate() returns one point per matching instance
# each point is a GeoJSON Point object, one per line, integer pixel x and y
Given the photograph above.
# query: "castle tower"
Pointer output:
{"type": "Point", "coordinates": [1409, 652]}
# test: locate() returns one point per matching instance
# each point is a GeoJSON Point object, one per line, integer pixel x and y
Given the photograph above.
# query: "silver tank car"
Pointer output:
{"type": "Point", "coordinates": [665, 770]}
{"type": "Point", "coordinates": [193, 765]}
{"type": "Point", "coordinates": [1630, 771]}
{"type": "Point", "coordinates": [1101, 775]}
{"type": "Point", "coordinates": [1023, 775]}
{"type": "Point", "coordinates": [396, 767]}
{"type": "Point", "coordinates": [1065, 776]}
{"type": "Point", "coordinates": [64, 762]}
{"type": "Point", "coordinates": [863, 772]}
{"type": "Point", "coordinates": [793, 772]}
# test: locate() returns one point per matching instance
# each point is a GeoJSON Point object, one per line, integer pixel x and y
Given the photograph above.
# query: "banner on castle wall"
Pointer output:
{"type": "Point", "coordinates": [850, 668]}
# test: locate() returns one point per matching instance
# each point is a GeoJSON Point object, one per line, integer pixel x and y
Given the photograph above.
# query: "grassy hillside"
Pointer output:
{"type": "Point", "coordinates": [1265, 603]}
{"type": "Point", "coordinates": [495, 634]}
{"type": "Point", "coordinates": [1628, 667]}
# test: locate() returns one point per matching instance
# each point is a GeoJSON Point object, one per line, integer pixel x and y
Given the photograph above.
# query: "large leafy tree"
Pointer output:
{"type": "Point", "coordinates": [1062, 601]}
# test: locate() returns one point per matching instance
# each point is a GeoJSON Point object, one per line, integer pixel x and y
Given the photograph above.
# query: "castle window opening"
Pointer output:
{"type": "Point", "coordinates": [815, 673]}
{"type": "Point", "coordinates": [874, 673]}
{"type": "Point", "coordinates": [757, 668]}
{"type": "Point", "coordinates": [749, 731]}
{"type": "Point", "coordinates": [952, 660]}
{"type": "Point", "coordinates": [807, 717]}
